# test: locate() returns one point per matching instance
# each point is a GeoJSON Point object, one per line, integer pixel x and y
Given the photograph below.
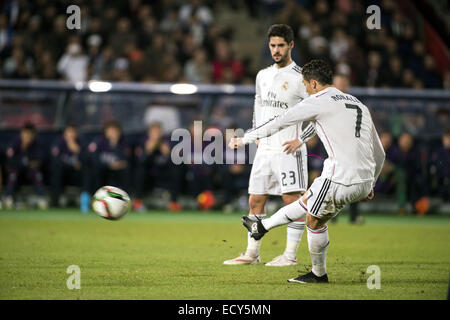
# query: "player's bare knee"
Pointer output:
{"type": "Point", "coordinates": [288, 198]}
{"type": "Point", "coordinates": [314, 222]}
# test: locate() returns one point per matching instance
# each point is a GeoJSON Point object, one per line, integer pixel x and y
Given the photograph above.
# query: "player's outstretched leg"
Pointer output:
{"type": "Point", "coordinates": [285, 215]}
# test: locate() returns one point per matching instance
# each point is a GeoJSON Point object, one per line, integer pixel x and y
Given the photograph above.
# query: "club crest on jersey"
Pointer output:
{"type": "Point", "coordinates": [285, 85]}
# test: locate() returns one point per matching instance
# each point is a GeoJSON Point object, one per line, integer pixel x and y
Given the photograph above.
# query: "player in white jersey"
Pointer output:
{"type": "Point", "coordinates": [355, 158]}
{"type": "Point", "coordinates": [278, 88]}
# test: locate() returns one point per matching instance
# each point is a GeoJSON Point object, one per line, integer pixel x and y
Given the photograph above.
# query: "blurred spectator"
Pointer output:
{"type": "Point", "coordinates": [155, 168]}
{"type": "Point", "coordinates": [45, 68]}
{"type": "Point", "coordinates": [408, 78]}
{"type": "Point", "coordinates": [226, 69]}
{"type": "Point", "coordinates": [165, 114]}
{"type": "Point", "coordinates": [57, 39]}
{"type": "Point", "coordinates": [18, 66]}
{"type": "Point", "coordinates": [94, 43]}
{"type": "Point", "coordinates": [122, 35]}
{"type": "Point", "coordinates": [146, 32]}
{"type": "Point", "coordinates": [373, 76]}
{"type": "Point", "coordinates": [24, 163]}
{"type": "Point", "coordinates": [171, 22]}
{"type": "Point", "coordinates": [410, 184]}
{"type": "Point", "coordinates": [197, 69]}
{"type": "Point", "coordinates": [416, 60]}
{"type": "Point", "coordinates": [101, 66]}
{"type": "Point", "coordinates": [186, 49]}
{"type": "Point", "coordinates": [219, 117]}
{"type": "Point", "coordinates": [137, 61]}
{"type": "Point", "coordinates": [341, 82]}
{"type": "Point", "coordinates": [195, 9]}
{"type": "Point", "coordinates": [317, 43]}
{"type": "Point", "coordinates": [73, 64]}
{"type": "Point", "coordinates": [338, 45]}
{"type": "Point", "coordinates": [290, 14]}
{"type": "Point", "coordinates": [66, 163]}
{"type": "Point", "coordinates": [393, 76]}
{"type": "Point", "coordinates": [386, 181]}
{"type": "Point", "coordinates": [431, 77]}
{"type": "Point", "coordinates": [120, 71]}
{"type": "Point", "coordinates": [110, 156]}
{"type": "Point", "coordinates": [5, 32]}
{"type": "Point", "coordinates": [440, 165]}
{"type": "Point", "coordinates": [321, 14]}
{"type": "Point", "coordinates": [198, 173]}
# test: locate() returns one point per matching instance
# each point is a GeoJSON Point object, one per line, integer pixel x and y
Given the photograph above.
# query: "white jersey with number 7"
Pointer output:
{"type": "Point", "coordinates": [345, 127]}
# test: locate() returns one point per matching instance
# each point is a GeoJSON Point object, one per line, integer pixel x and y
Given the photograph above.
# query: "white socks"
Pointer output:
{"type": "Point", "coordinates": [318, 242]}
{"type": "Point", "coordinates": [253, 245]}
{"type": "Point", "coordinates": [294, 236]}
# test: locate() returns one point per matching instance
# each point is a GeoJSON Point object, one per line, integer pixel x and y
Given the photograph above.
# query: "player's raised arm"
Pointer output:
{"type": "Point", "coordinates": [300, 112]}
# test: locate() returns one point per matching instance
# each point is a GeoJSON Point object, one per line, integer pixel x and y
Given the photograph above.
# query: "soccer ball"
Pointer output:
{"type": "Point", "coordinates": [111, 203]}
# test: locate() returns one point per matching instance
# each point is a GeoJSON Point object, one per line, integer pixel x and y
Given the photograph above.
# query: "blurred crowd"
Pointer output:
{"type": "Point", "coordinates": [172, 40]}
{"type": "Point", "coordinates": [394, 56]}
{"type": "Point", "coordinates": [412, 171]}
{"type": "Point", "coordinates": [141, 166]}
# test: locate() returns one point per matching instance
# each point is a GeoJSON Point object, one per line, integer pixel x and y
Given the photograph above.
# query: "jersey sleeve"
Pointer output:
{"type": "Point", "coordinates": [308, 132]}
{"type": "Point", "coordinates": [379, 154]}
{"type": "Point", "coordinates": [300, 112]}
{"type": "Point", "coordinates": [257, 103]}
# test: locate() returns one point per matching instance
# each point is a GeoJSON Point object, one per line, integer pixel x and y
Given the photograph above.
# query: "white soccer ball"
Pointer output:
{"type": "Point", "coordinates": [111, 203]}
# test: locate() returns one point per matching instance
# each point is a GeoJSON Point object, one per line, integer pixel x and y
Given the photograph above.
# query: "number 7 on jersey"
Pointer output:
{"type": "Point", "coordinates": [358, 118]}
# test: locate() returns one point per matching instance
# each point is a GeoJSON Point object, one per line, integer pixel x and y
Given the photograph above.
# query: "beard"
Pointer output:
{"type": "Point", "coordinates": [282, 61]}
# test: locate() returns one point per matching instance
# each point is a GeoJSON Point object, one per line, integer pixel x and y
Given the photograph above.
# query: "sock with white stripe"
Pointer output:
{"type": "Point", "coordinates": [318, 242]}
{"type": "Point", "coordinates": [294, 236]}
{"type": "Point", "coordinates": [253, 246]}
{"type": "Point", "coordinates": [290, 213]}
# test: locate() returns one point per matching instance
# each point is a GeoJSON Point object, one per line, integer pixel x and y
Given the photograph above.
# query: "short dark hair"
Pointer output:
{"type": "Point", "coordinates": [281, 30]}
{"type": "Point", "coordinates": [71, 126]}
{"type": "Point", "coordinates": [113, 124]}
{"type": "Point", "coordinates": [28, 126]}
{"type": "Point", "coordinates": [318, 70]}
{"type": "Point", "coordinates": [154, 124]}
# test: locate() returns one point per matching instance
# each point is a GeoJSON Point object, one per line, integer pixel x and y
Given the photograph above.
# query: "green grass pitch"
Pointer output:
{"type": "Point", "coordinates": [163, 255]}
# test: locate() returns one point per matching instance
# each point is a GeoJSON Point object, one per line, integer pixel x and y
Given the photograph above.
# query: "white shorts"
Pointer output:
{"type": "Point", "coordinates": [279, 173]}
{"type": "Point", "coordinates": [326, 198]}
